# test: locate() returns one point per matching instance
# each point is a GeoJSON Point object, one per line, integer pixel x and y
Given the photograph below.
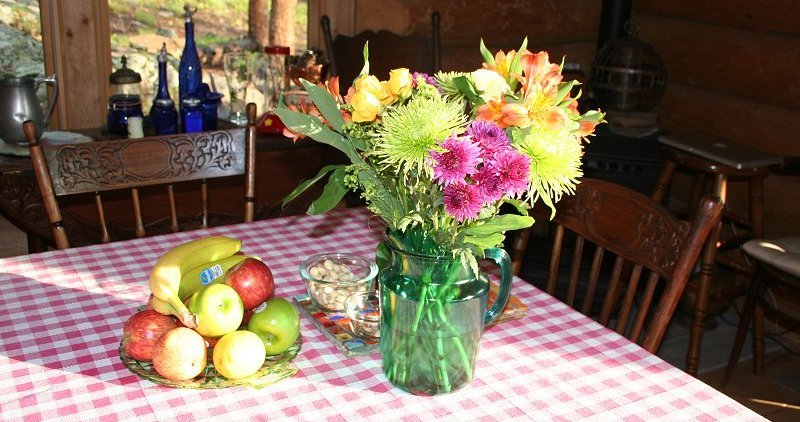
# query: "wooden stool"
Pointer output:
{"type": "Point", "coordinates": [707, 157]}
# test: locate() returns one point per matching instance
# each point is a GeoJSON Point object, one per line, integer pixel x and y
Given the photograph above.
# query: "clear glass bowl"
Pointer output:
{"type": "Point", "coordinates": [364, 311]}
{"type": "Point", "coordinates": [332, 277]}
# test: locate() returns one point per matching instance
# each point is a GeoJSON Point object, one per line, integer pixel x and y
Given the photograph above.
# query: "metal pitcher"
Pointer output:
{"type": "Point", "coordinates": [18, 103]}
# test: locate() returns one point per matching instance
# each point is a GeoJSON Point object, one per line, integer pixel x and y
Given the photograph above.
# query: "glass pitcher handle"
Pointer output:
{"type": "Point", "coordinates": [499, 256]}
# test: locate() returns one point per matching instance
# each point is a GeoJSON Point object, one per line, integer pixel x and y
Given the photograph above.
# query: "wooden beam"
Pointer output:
{"type": "Point", "coordinates": [77, 44]}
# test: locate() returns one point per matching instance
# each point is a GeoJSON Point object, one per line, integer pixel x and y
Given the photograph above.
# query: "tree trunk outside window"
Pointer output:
{"type": "Point", "coordinates": [282, 22]}
{"type": "Point", "coordinates": [257, 23]}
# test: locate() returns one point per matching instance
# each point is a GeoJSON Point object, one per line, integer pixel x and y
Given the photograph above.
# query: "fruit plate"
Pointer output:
{"type": "Point", "coordinates": [275, 368]}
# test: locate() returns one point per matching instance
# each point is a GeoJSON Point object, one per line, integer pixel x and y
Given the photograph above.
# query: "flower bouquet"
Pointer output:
{"type": "Point", "coordinates": [435, 157]}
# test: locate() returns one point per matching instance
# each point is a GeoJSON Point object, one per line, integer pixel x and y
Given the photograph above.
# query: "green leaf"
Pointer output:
{"type": "Point", "coordinates": [314, 128]}
{"type": "Point", "coordinates": [518, 204]}
{"type": "Point", "coordinates": [515, 67]}
{"type": "Point", "coordinates": [325, 103]}
{"type": "Point", "coordinates": [304, 185]}
{"type": "Point", "coordinates": [365, 69]}
{"type": "Point", "coordinates": [499, 224]}
{"type": "Point", "coordinates": [563, 90]}
{"type": "Point", "coordinates": [485, 242]}
{"type": "Point", "coordinates": [466, 88]}
{"type": "Point", "coordinates": [383, 256]}
{"type": "Point", "coordinates": [487, 55]}
{"type": "Point", "coordinates": [333, 193]}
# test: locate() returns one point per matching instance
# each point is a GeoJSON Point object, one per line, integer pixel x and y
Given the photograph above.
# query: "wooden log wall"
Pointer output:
{"type": "Point", "coordinates": [733, 72]}
{"type": "Point", "coordinates": [562, 27]}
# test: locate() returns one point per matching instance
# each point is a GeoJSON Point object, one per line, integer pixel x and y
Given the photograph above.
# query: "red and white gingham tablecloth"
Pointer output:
{"type": "Point", "coordinates": [61, 317]}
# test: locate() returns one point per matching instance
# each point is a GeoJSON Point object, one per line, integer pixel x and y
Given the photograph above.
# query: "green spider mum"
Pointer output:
{"type": "Point", "coordinates": [412, 130]}
{"type": "Point", "coordinates": [555, 161]}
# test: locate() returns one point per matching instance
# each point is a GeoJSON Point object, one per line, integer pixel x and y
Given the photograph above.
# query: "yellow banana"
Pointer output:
{"type": "Point", "coordinates": [160, 306]}
{"type": "Point", "coordinates": [165, 278]}
{"type": "Point", "coordinates": [206, 273]}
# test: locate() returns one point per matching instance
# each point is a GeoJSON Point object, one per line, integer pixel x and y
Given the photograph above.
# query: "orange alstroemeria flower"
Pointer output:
{"type": "Point", "coordinates": [332, 86]}
{"type": "Point", "coordinates": [514, 114]}
{"type": "Point", "coordinates": [503, 62]}
{"type": "Point", "coordinates": [586, 127]}
{"type": "Point", "coordinates": [305, 108]}
{"type": "Point", "coordinates": [491, 111]}
{"type": "Point", "coordinates": [554, 118]}
{"type": "Point", "coordinates": [540, 74]}
{"type": "Point", "coordinates": [504, 114]}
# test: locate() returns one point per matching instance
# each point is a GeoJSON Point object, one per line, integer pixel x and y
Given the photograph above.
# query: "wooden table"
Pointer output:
{"type": "Point", "coordinates": [280, 166]}
{"type": "Point", "coordinates": [62, 312]}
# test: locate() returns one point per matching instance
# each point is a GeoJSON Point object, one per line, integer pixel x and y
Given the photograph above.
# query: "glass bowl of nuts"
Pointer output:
{"type": "Point", "coordinates": [332, 277]}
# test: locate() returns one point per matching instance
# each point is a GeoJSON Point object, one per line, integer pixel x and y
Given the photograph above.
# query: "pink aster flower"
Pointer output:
{"type": "Point", "coordinates": [489, 137]}
{"type": "Point", "coordinates": [488, 184]}
{"type": "Point", "coordinates": [462, 201]}
{"type": "Point", "coordinates": [513, 170]}
{"type": "Point", "coordinates": [459, 160]}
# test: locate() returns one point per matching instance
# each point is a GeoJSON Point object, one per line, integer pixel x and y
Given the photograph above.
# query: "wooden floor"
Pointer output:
{"type": "Point", "coordinates": [774, 395]}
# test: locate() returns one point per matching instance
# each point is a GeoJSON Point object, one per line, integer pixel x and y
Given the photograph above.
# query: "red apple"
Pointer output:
{"type": "Point", "coordinates": [247, 314]}
{"type": "Point", "coordinates": [180, 354]}
{"type": "Point", "coordinates": [252, 280]}
{"type": "Point", "coordinates": [142, 330]}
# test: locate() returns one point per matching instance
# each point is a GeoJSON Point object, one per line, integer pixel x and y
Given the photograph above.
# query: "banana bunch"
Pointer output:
{"type": "Point", "coordinates": [179, 272]}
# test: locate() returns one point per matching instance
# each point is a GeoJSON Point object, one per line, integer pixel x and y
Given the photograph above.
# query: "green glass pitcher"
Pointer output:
{"type": "Point", "coordinates": [433, 310]}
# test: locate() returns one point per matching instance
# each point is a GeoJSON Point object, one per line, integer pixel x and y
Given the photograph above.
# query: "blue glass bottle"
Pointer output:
{"type": "Point", "coordinates": [190, 74]}
{"type": "Point", "coordinates": [191, 115]}
{"type": "Point", "coordinates": [163, 115]}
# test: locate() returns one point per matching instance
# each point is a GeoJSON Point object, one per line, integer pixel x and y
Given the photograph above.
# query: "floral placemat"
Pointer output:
{"type": "Point", "coordinates": [336, 325]}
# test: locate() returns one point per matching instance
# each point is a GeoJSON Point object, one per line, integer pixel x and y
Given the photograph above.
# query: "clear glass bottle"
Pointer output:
{"type": "Point", "coordinates": [163, 115]}
{"type": "Point", "coordinates": [190, 74]}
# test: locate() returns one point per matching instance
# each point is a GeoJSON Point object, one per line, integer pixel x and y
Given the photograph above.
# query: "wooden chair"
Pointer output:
{"type": "Point", "coordinates": [620, 229]}
{"type": "Point", "coordinates": [417, 52]}
{"type": "Point", "coordinates": [100, 167]}
{"type": "Point", "coordinates": [777, 273]}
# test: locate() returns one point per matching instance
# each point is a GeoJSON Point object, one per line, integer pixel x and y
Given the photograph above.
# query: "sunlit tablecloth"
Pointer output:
{"type": "Point", "coordinates": [61, 317]}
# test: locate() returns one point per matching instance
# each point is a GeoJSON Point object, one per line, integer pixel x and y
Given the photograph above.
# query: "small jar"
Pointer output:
{"type": "Point", "coordinates": [125, 100]}
{"type": "Point", "coordinates": [191, 115]}
{"type": "Point", "coordinates": [120, 108]}
{"type": "Point", "coordinates": [210, 105]}
{"type": "Point", "coordinates": [164, 117]}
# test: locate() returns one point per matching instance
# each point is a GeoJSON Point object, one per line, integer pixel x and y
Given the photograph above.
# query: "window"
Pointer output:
{"type": "Point", "coordinates": [139, 28]}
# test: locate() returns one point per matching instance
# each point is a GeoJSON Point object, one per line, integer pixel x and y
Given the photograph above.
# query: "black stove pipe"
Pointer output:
{"type": "Point", "coordinates": [613, 17]}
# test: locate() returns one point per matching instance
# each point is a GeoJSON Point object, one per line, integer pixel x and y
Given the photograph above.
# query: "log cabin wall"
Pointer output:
{"type": "Point", "coordinates": [562, 27]}
{"type": "Point", "coordinates": [733, 70]}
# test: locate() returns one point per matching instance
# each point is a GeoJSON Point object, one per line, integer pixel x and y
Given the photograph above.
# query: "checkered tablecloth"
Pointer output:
{"type": "Point", "coordinates": [61, 317]}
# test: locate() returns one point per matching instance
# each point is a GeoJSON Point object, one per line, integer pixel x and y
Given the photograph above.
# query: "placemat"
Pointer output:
{"type": "Point", "coordinates": [336, 325]}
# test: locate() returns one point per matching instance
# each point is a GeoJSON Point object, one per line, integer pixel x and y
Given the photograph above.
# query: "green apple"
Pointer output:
{"type": "Point", "coordinates": [219, 310]}
{"type": "Point", "coordinates": [277, 323]}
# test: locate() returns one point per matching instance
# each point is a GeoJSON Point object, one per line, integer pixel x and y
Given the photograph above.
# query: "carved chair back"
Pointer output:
{"type": "Point", "coordinates": [418, 52]}
{"type": "Point", "coordinates": [100, 167]}
{"type": "Point", "coordinates": [630, 258]}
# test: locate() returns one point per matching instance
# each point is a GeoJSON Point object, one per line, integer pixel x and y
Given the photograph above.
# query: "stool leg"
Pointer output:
{"type": "Point", "coordinates": [758, 338]}
{"type": "Point", "coordinates": [757, 206]}
{"type": "Point", "coordinates": [664, 180]}
{"type": "Point", "coordinates": [707, 261]}
{"type": "Point", "coordinates": [741, 330]}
